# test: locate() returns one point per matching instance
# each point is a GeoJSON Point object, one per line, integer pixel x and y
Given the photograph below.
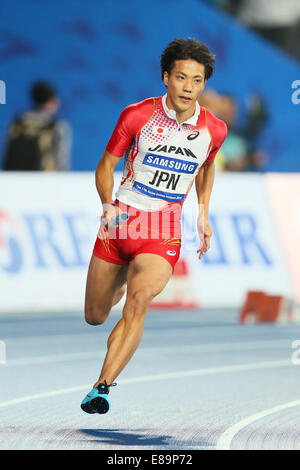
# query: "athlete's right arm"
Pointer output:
{"type": "Point", "coordinates": [105, 184]}
{"type": "Point", "coordinates": [105, 176]}
{"type": "Point", "coordinates": [119, 142]}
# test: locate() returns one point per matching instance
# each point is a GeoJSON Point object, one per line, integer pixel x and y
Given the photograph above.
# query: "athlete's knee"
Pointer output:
{"type": "Point", "coordinates": [119, 294]}
{"type": "Point", "coordinates": [138, 302]}
{"type": "Point", "coordinates": [95, 316]}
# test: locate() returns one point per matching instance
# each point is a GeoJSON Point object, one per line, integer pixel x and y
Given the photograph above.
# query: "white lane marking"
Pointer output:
{"type": "Point", "coordinates": [225, 440]}
{"type": "Point", "coordinates": [75, 337]}
{"type": "Point", "coordinates": [219, 347]}
{"type": "Point", "coordinates": [55, 358]}
{"type": "Point", "coordinates": [151, 378]}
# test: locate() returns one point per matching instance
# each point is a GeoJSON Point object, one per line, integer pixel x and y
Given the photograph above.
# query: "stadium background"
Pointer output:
{"type": "Point", "coordinates": [241, 380]}
{"type": "Point", "coordinates": [104, 55]}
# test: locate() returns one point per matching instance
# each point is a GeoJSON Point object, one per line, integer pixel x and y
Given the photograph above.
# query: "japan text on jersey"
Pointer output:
{"type": "Point", "coordinates": [162, 156]}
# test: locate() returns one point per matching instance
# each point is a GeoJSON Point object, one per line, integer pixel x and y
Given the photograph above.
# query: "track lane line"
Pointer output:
{"type": "Point", "coordinates": [210, 347]}
{"type": "Point", "coordinates": [157, 377]}
{"type": "Point", "coordinates": [224, 442]}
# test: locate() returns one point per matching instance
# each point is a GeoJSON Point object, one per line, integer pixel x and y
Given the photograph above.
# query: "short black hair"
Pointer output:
{"type": "Point", "coordinates": [42, 92]}
{"type": "Point", "coordinates": [187, 49]}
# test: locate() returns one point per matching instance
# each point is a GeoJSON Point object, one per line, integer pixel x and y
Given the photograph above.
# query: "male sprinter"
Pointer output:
{"type": "Point", "coordinates": [170, 141]}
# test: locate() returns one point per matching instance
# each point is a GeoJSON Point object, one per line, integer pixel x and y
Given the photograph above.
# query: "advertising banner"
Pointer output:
{"type": "Point", "coordinates": [49, 223]}
{"type": "Point", "coordinates": [283, 192]}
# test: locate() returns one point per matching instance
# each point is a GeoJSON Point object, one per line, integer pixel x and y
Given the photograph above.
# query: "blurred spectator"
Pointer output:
{"type": "Point", "coordinates": [256, 118]}
{"type": "Point", "coordinates": [276, 21]}
{"type": "Point", "coordinates": [239, 151]}
{"type": "Point", "coordinates": [230, 6]}
{"type": "Point", "coordinates": [37, 141]}
{"type": "Point", "coordinates": [234, 150]}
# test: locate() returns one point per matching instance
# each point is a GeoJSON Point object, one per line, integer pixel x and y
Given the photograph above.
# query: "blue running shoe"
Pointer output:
{"type": "Point", "coordinates": [97, 400]}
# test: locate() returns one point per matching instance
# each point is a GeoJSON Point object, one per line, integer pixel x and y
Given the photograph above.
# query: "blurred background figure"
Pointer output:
{"type": "Point", "coordinates": [235, 151]}
{"type": "Point", "coordinates": [256, 119]}
{"type": "Point", "coordinates": [274, 20]}
{"type": "Point", "coordinates": [240, 151]}
{"type": "Point", "coordinates": [37, 140]}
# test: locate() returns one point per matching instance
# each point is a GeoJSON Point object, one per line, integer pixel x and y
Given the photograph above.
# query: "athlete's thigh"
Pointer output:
{"type": "Point", "coordinates": [103, 281]}
{"type": "Point", "coordinates": [149, 272]}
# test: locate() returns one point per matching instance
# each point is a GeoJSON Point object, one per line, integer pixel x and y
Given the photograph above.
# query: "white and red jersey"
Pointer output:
{"type": "Point", "coordinates": [162, 156]}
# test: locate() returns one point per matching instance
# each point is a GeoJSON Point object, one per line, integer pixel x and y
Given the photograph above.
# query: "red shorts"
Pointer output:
{"type": "Point", "coordinates": [156, 232]}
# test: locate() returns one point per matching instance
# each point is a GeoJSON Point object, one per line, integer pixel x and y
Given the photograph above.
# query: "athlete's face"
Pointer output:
{"type": "Point", "coordinates": [185, 83]}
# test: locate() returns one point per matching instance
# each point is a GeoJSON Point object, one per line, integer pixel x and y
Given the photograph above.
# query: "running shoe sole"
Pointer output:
{"type": "Point", "coordinates": [96, 405]}
{"type": "Point", "coordinates": [87, 408]}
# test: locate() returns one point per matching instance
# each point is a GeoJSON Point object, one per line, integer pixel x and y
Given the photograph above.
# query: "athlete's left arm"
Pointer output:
{"type": "Point", "coordinates": [204, 182]}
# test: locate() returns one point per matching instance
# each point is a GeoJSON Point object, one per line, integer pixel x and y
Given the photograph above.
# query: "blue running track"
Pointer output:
{"type": "Point", "coordinates": [198, 381]}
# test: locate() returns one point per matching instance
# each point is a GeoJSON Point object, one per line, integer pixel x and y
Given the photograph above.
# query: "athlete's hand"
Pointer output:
{"type": "Point", "coordinates": [205, 232]}
{"type": "Point", "coordinates": [110, 212]}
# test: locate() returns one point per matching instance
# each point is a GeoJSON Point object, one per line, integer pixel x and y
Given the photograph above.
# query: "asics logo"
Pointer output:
{"type": "Point", "coordinates": [193, 135]}
{"type": "Point", "coordinates": [171, 252]}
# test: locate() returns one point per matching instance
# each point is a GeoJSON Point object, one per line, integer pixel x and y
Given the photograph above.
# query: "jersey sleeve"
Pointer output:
{"type": "Point", "coordinates": [218, 131]}
{"type": "Point", "coordinates": [122, 135]}
{"type": "Point", "coordinates": [130, 122]}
